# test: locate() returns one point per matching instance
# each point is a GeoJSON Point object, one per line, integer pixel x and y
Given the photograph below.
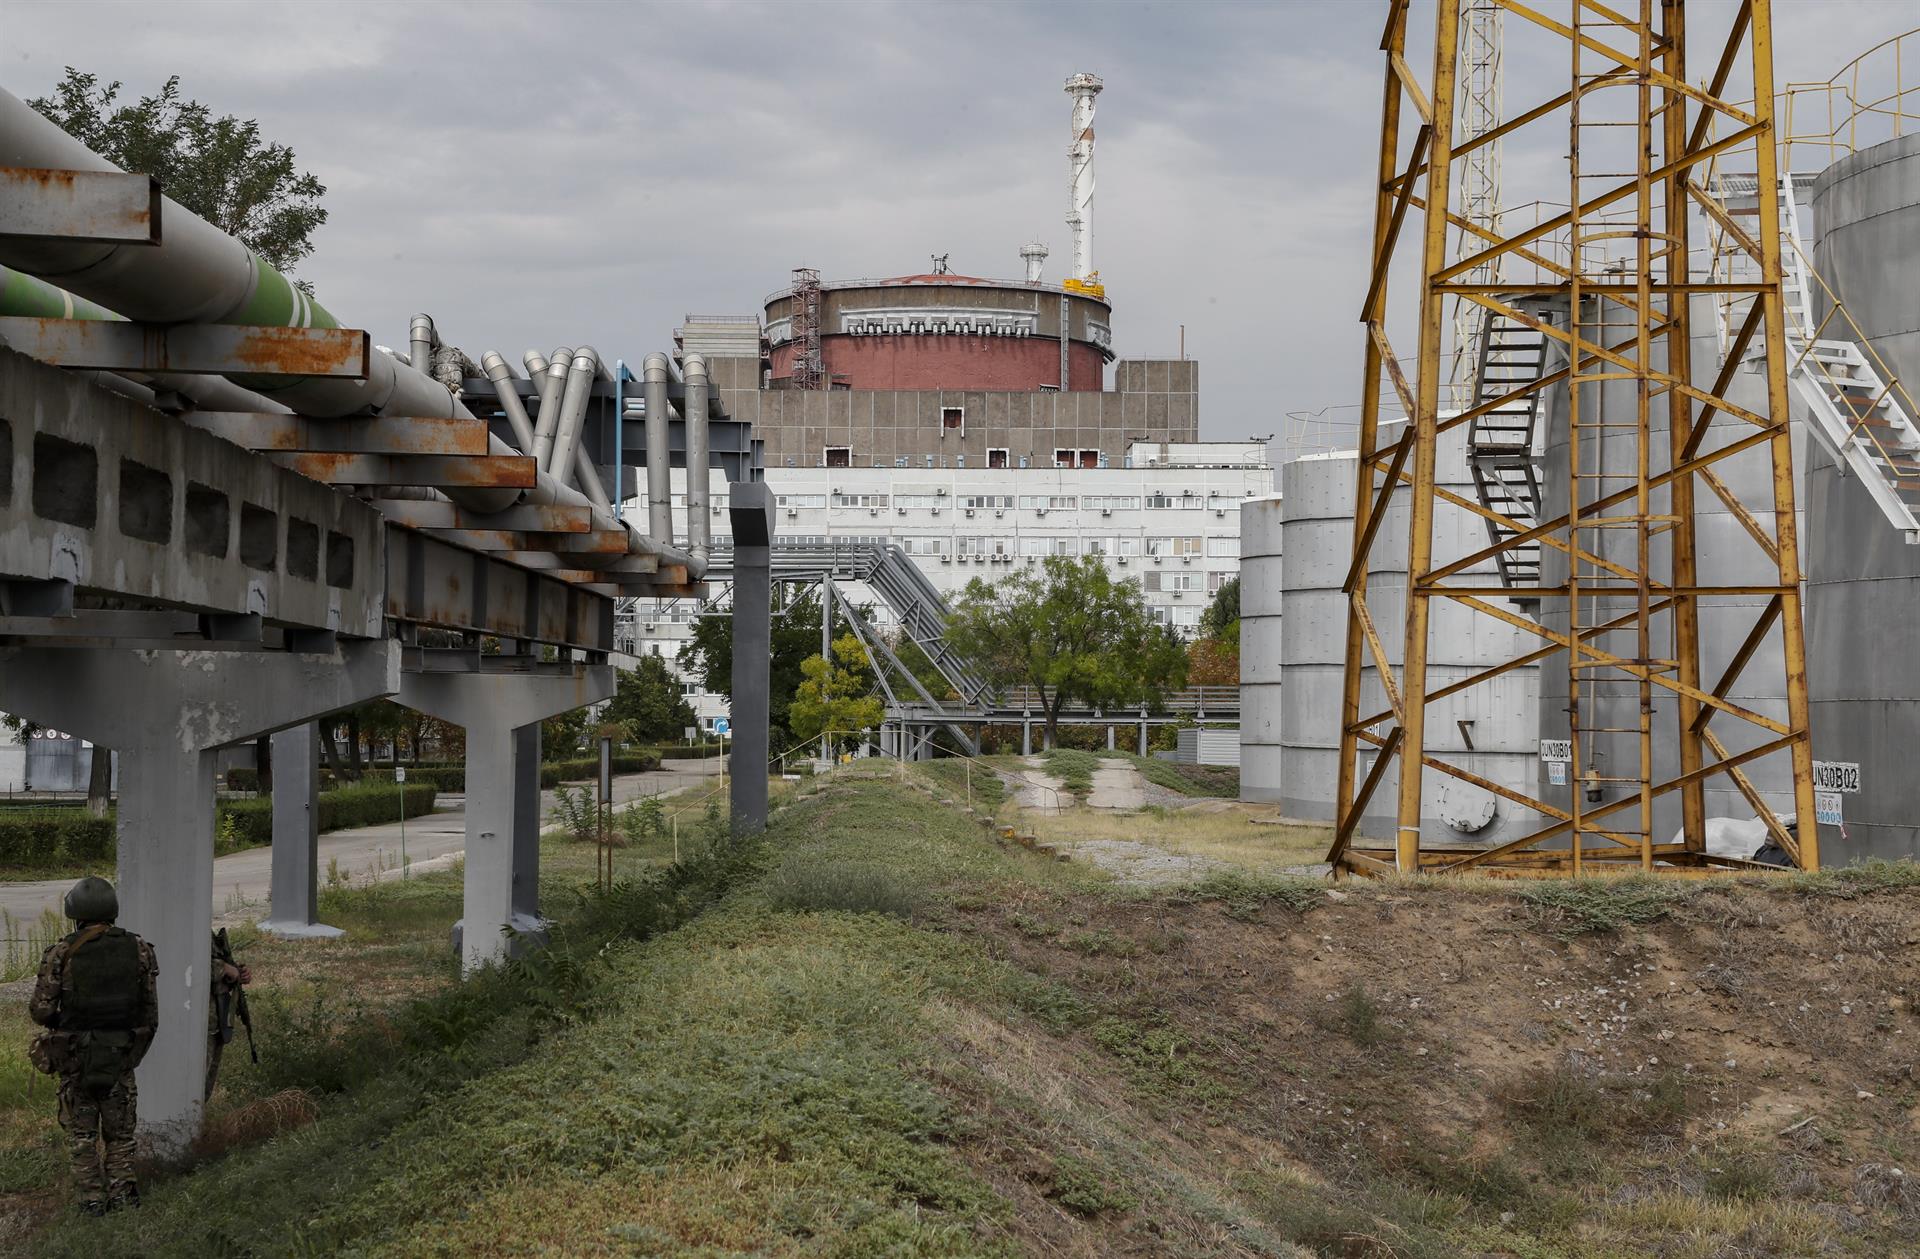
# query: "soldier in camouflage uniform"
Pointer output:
{"type": "Point", "coordinates": [96, 997]}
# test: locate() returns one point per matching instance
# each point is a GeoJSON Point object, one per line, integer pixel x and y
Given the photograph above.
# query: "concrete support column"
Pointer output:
{"type": "Point", "coordinates": [750, 509]}
{"type": "Point", "coordinates": [1109, 738]}
{"type": "Point", "coordinates": [1026, 736]}
{"type": "Point", "coordinates": [494, 708]}
{"type": "Point", "coordinates": [1143, 732]}
{"type": "Point", "coordinates": [168, 711]}
{"type": "Point", "coordinates": [294, 907]}
{"type": "Point", "coordinates": [526, 831]}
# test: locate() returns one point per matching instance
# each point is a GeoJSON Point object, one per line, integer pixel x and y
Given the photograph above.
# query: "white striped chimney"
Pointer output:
{"type": "Point", "coordinates": [1083, 88]}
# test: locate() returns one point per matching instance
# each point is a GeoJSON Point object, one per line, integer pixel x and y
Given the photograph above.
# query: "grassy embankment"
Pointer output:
{"type": "Point", "coordinates": [886, 1036]}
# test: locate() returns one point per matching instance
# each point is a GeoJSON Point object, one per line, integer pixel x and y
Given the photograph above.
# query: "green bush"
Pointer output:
{"type": "Point", "coordinates": [88, 838]}
{"type": "Point", "coordinates": [31, 837]}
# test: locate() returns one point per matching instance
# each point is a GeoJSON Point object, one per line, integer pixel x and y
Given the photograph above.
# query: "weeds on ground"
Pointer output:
{"type": "Point", "coordinates": [579, 816]}
{"type": "Point", "coordinates": [1357, 1016]}
{"type": "Point", "coordinates": [802, 885]}
{"type": "Point", "coordinates": [1218, 782]}
{"type": "Point", "coordinates": [1848, 882]}
{"type": "Point", "coordinates": [25, 940]}
{"type": "Point", "coordinates": [1572, 907]}
{"type": "Point", "coordinates": [1573, 1111]}
{"type": "Point", "coordinates": [1080, 1187]}
{"type": "Point", "coordinates": [1244, 895]}
{"type": "Point", "coordinates": [959, 778]}
{"type": "Point", "coordinates": [1073, 768]}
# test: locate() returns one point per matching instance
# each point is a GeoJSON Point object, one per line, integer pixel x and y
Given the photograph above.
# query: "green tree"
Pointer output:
{"type": "Point", "coordinates": [708, 656]}
{"type": "Point", "coordinates": [1071, 632]}
{"type": "Point", "coordinates": [836, 696]}
{"type": "Point", "coordinates": [220, 168]}
{"type": "Point", "coordinates": [1222, 617]}
{"type": "Point", "coordinates": [564, 736]}
{"type": "Point", "coordinates": [647, 703]}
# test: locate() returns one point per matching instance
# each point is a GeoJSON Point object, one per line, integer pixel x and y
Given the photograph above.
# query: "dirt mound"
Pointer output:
{"type": "Point", "coordinates": [1621, 1066]}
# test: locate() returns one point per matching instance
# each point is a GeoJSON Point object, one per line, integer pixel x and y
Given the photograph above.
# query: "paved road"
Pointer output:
{"type": "Point", "coordinates": [241, 880]}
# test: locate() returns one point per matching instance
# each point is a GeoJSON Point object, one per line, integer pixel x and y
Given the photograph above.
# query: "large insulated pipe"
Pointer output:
{"type": "Point", "coordinates": [502, 377]}
{"type": "Point", "coordinates": [699, 392]}
{"type": "Point", "coordinates": [199, 274]}
{"type": "Point", "coordinates": [573, 409]}
{"type": "Point", "coordinates": [552, 384]}
{"type": "Point", "coordinates": [656, 374]}
{"type": "Point", "coordinates": [420, 343]}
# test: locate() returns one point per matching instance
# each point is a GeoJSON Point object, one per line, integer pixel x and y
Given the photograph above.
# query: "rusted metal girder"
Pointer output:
{"type": "Point", "coordinates": [439, 471]}
{"type": "Point", "coordinates": [79, 206]}
{"type": "Point", "coordinates": [433, 583]}
{"type": "Point", "coordinates": [364, 435]}
{"type": "Point", "coordinates": [420, 513]}
{"type": "Point", "coordinates": [593, 542]}
{"type": "Point", "coordinates": [190, 349]}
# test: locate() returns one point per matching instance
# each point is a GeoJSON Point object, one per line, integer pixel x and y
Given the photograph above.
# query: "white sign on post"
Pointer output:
{"type": "Point", "coordinates": [399, 773]}
{"type": "Point", "coordinates": [1837, 776]}
{"type": "Point", "coordinates": [1556, 751]}
{"type": "Point", "coordinates": [1826, 808]}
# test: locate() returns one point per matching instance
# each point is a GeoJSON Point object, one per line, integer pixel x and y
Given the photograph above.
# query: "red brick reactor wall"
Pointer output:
{"type": "Point", "coordinates": [1019, 364]}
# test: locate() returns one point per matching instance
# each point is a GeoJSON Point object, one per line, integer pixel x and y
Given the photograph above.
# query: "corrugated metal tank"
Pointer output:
{"type": "Point", "coordinates": [1724, 555]}
{"type": "Point", "coordinates": [1864, 583]}
{"type": "Point", "coordinates": [1261, 580]}
{"type": "Point", "coordinates": [1491, 729]}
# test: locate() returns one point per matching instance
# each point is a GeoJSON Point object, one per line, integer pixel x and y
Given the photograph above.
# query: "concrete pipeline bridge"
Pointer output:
{"type": "Point", "coordinates": [224, 514]}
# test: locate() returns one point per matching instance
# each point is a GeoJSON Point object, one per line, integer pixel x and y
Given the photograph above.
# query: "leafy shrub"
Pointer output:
{"type": "Point", "coordinates": [89, 838]}
{"type": "Point", "coordinates": [854, 887]}
{"type": "Point", "coordinates": [578, 814]}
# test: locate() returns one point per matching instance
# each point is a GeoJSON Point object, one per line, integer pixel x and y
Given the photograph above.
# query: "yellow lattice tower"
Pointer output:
{"type": "Point", "coordinates": [1616, 262]}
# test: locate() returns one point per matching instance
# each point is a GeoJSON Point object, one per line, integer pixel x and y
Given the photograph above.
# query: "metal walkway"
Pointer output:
{"type": "Point", "coordinates": [1503, 439]}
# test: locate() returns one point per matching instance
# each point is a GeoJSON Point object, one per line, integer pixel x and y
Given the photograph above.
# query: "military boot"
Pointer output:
{"type": "Point", "coordinates": [129, 1198]}
{"type": "Point", "coordinates": [93, 1206]}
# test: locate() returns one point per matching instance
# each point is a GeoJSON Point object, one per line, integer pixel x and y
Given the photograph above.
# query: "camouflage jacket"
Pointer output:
{"type": "Point", "coordinates": [44, 1007]}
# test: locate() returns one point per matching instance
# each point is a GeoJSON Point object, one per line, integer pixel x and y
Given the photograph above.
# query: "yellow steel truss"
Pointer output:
{"type": "Point", "coordinates": [1620, 260]}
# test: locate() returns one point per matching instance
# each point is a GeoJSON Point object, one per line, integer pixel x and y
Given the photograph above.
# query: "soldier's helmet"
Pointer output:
{"type": "Point", "coordinates": [92, 900]}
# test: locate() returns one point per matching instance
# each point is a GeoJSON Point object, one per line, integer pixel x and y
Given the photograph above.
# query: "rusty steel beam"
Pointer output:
{"type": "Point", "coordinates": [441, 471]}
{"type": "Point", "coordinates": [190, 349]}
{"type": "Point", "coordinates": [79, 206]}
{"type": "Point", "coordinates": [421, 513]}
{"type": "Point", "coordinates": [364, 435]}
{"type": "Point", "coordinates": [508, 541]}
{"type": "Point", "coordinates": [434, 583]}
{"type": "Point", "coordinates": [571, 559]}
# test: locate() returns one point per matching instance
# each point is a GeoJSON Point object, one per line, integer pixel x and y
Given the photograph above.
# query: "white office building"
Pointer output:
{"type": "Point", "coordinates": [1168, 517]}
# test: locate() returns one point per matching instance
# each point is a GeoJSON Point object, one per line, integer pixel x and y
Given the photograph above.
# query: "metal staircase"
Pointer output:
{"type": "Point", "coordinates": [1502, 450]}
{"type": "Point", "coordinates": [915, 602]}
{"type": "Point", "coordinates": [1856, 412]}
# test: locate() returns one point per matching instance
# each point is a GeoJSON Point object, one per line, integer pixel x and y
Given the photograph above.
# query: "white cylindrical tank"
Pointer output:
{"type": "Point", "coordinates": [1490, 729]}
{"type": "Point", "coordinates": [1725, 555]}
{"type": "Point", "coordinates": [1261, 578]}
{"type": "Point", "coordinates": [1864, 583]}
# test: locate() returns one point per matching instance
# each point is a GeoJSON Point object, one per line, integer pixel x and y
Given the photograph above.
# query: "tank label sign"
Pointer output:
{"type": "Point", "coordinates": [1556, 750]}
{"type": "Point", "coordinates": [1826, 808]}
{"type": "Point", "coordinates": [1836, 776]}
{"type": "Point", "coordinates": [1556, 773]}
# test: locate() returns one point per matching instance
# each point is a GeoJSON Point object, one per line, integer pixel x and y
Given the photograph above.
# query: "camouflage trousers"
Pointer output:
{"type": "Point", "coordinates": [100, 1138]}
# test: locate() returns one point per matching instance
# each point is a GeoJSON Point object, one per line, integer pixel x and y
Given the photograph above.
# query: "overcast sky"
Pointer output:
{"type": "Point", "coordinates": [545, 174]}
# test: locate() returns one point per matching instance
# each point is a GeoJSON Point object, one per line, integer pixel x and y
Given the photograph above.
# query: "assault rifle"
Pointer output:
{"type": "Point", "coordinates": [228, 1005]}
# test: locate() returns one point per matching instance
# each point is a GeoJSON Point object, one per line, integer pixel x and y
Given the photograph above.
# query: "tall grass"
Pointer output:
{"type": "Point", "coordinates": [25, 940]}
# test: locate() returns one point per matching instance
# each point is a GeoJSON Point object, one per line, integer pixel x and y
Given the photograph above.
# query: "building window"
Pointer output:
{"type": "Point", "coordinates": [953, 420]}
{"type": "Point", "coordinates": [1089, 458]}
{"type": "Point", "coordinates": [838, 457]}
{"type": "Point", "coordinates": [842, 499]}
{"type": "Point", "coordinates": [1163, 500]}
{"type": "Point", "coordinates": [801, 500]}
{"type": "Point", "coordinates": [996, 457]}
{"type": "Point", "coordinates": [1033, 546]}
{"type": "Point", "coordinates": [1001, 501]}
{"type": "Point", "coordinates": [1063, 458]}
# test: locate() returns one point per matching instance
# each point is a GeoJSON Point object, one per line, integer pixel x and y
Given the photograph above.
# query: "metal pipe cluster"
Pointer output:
{"type": "Point", "coordinates": [199, 274]}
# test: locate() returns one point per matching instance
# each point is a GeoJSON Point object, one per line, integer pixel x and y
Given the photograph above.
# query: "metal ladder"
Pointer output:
{"type": "Point", "coordinates": [1857, 415]}
{"type": "Point", "coordinates": [1501, 442]}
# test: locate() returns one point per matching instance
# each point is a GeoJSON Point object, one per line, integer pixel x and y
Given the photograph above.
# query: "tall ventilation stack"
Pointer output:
{"type": "Point", "coordinates": [1083, 88]}
{"type": "Point", "coordinates": [1035, 256]}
